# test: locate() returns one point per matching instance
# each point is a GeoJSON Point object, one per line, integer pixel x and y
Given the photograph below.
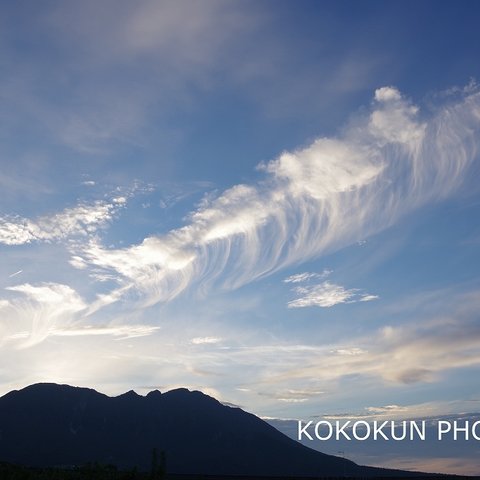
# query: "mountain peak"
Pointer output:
{"type": "Point", "coordinates": [154, 394]}
{"type": "Point", "coordinates": [129, 394]}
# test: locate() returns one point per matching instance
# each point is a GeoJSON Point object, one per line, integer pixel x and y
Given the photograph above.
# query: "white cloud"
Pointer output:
{"type": "Point", "coordinates": [15, 274]}
{"type": "Point", "coordinates": [56, 310]}
{"type": "Point", "coordinates": [349, 351]}
{"type": "Point", "coordinates": [326, 295]}
{"type": "Point", "coordinates": [205, 340]}
{"type": "Point", "coordinates": [41, 308]}
{"type": "Point", "coordinates": [395, 120]}
{"type": "Point", "coordinates": [122, 331]}
{"type": "Point", "coordinates": [368, 298]}
{"type": "Point", "coordinates": [294, 395]}
{"type": "Point", "coordinates": [84, 219]}
{"type": "Point", "coordinates": [303, 277]}
{"type": "Point", "coordinates": [386, 409]}
{"type": "Point", "coordinates": [387, 94]}
{"type": "Point", "coordinates": [321, 198]}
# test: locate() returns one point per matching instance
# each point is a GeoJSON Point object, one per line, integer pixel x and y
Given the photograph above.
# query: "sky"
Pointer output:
{"type": "Point", "coordinates": [274, 202]}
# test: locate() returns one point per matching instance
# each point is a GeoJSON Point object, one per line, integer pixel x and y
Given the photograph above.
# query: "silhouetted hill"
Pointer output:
{"type": "Point", "coordinates": [49, 424]}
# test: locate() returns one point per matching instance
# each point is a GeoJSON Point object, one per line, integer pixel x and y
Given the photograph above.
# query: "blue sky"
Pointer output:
{"type": "Point", "coordinates": [276, 203]}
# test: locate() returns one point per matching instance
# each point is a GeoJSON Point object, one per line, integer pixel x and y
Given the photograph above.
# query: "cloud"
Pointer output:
{"type": "Point", "coordinates": [427, 349]}
{"type": "Point", "coordinates": [294, 395]}
{"type": "Point", "coordinates": [326, 295]}
{"type": "Point", "coordinates": [311, 201]}
{"type": "Point", "coordinates": [15, 274]}
{"type": "Point", "coordinates": [42, 308]}
{"type": "Point", "coordinates": [56, 310]}
{"type": "Point", "coordinates": [205, 340]}
{"type": "Point", "coordinates": [82, 220]}
{"type": "Point", "coordinates": [418, 352]}
{"type": "Point", "coordinates": [303, 277]}
{"type": "Point", "coordinates": [386, 409]}
{"type": "Point", "coordinates": [122, 331]}
{"type": "Point", "coordinates": [349, 351]}
{"type": "Point", "coordinates": [113, 60]}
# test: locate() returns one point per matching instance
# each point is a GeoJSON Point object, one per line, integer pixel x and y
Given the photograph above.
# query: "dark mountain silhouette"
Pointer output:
{"type": "Point", "coordinates": [49, 424]}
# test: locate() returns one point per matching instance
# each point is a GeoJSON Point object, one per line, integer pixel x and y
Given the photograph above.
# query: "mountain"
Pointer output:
{"type": "Point", "coordinates": [49, 425]}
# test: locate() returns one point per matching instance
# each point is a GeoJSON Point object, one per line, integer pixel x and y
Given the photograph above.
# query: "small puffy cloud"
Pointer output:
{"type": "Point", "coordinates": [387, 94]}
{"type": "Point", "coordinates": [395, 120]}
{"type": "Point", "coordinates": [326, 168]}
{"type": "Point", "coordinates": [327, 295]}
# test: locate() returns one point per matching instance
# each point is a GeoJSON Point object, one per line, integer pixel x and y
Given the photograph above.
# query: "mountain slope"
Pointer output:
{"type": "Point", "coordinates": [49, 424]}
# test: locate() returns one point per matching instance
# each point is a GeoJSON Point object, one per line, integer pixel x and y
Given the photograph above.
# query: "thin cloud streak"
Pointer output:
{"type": "Point", "coordinates": [328, 195]}
{"type": "Point", "coordinates": [15, 274]}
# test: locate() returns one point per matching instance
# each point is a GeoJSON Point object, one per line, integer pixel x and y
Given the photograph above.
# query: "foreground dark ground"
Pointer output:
{"type": "Point", "coordinates": [108, 472]}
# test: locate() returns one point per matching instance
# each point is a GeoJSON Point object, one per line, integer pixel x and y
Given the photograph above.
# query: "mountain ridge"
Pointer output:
{"type": "Point", "coordinates": [47, 424]}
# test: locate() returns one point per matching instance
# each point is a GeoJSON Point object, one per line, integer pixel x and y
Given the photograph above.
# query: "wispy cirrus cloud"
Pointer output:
{"type": "Point", "coordinates": [40, 308]}
{"type": "Point", "coordinates": [120, 331]}
{"type": "Point", "coordinates": [49, 309]}
{"type": "Point", "coordinates": [311, 201]}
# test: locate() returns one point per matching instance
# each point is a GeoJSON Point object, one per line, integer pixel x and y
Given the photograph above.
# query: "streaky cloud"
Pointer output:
{"type": "Point", "coordinates": [318, 199]}
{"type": "Point", "coordinates": [41, 308]}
